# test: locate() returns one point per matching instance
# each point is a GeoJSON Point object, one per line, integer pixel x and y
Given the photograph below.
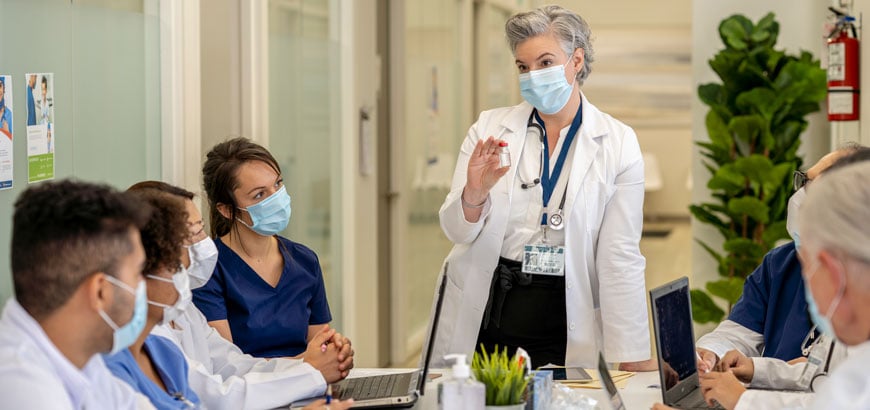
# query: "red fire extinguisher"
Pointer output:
{"type": "Point", "coordinates": [843, 74]}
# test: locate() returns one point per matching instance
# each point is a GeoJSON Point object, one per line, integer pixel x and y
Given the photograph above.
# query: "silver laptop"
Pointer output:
{"type": "Point", "coordinates": [675, 342]}
{"type": "Point", "coordinates": [607, 381]}
{"type": "Point", "coordinates": [393, 390]}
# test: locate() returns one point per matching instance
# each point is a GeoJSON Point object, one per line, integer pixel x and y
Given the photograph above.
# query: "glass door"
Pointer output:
{"type": "Point", "coordinates": [304, 127]}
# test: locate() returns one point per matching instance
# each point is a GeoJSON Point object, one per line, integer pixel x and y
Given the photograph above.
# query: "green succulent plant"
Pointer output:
{"type": "Point", "coordinates": [505, 378]}
{"type": "Point", "coordinates": [757, 114]}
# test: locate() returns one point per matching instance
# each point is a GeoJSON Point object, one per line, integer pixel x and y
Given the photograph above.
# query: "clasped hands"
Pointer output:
{"type": "Point", "coordinates": [331, 353]}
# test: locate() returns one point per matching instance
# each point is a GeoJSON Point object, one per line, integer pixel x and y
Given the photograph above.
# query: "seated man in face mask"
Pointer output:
{"type": "Point", "coordinates": [220, 373]}
{"type": "Point", "coordinates": [771, 319]}
{"type": "Point", "coordinates": [77, 271]}
{"type": "Point", "coordinates": [764, 372]}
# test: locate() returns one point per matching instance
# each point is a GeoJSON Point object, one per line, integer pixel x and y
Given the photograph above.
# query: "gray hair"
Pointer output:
{"type": "Point", "coordinates": [568, 27]}
{"type": "Point", "coordinates": [836, 216]}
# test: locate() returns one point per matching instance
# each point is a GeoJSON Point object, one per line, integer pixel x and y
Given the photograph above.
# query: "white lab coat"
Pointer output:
{"type": "Point", "coordinates": [776, 374]}
{"type": "Point", "coordinates": [849, 385]}
{"type": "Point", "coordinates": [604, 282]}
{"type": "Point", "coordinates": [34, 374]}
{"type": "Point", "coordinates": [225, 378]}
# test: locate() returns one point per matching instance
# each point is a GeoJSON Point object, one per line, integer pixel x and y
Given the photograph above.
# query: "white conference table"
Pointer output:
{"type": "Point", "coordinates": [637, 394]}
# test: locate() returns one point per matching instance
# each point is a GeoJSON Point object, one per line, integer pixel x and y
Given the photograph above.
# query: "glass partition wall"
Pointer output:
{"type": "Point", "coordinates": [304, 127]}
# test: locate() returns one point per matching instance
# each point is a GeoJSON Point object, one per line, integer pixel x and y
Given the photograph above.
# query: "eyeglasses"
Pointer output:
{"type": "Point", "coordinates": [800, 179]}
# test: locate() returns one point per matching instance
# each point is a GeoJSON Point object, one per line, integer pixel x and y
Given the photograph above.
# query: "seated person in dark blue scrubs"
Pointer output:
{"type": "Point", "coordinates": [771, 319]}
{"type": "Point", "coordinates": [154, 365]}
{"type": "Point", "coordinates": [267, 293]}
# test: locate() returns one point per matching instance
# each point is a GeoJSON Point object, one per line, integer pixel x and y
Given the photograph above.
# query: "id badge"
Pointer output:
{"type": "Point", "coordinates": [815, 360]}
{"type": "Point", "coordinates": [542, 259]}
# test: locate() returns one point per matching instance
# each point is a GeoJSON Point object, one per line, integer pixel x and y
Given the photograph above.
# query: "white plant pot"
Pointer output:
{"type": "Point", "coordinates": [520, 406]}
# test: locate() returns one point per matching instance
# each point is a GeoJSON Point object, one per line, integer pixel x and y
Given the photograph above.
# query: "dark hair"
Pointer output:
{"type": "Point", "coordinates": [219, 178]}
{"type": "Point", "coordinates": [62, 233]}
{"type": "Point", "coordinates": [45, 81]}
{"type": "Point", "coordinates": [164, 187]}
{"type": "Point", "coordinates": [165, 231]}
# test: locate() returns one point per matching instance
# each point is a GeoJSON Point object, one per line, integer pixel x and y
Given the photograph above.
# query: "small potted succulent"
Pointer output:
{"type": "Point", "coordinates": [506, 379]}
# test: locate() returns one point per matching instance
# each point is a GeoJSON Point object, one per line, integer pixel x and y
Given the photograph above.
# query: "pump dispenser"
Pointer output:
{"type": "Point", "coordinates": [461, 392]}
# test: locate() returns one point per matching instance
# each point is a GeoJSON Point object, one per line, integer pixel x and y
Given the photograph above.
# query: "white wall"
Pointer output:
{"type": "Point", "coordinates": [221, 75]}
{"type": "Point", "coordinates": [800, 24]}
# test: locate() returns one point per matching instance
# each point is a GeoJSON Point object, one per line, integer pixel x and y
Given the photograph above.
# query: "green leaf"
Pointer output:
{"type": "Point", "coordinates": [747, 128]}
{"type": "Point", "coordinates": [762, 101]}
{"type": "Point", "coordinates": [750, 206]}
{"type": "Point", "coordinates": [744, 248]}
{"type": "Point", "coordinates": [734, 31]}
{"type": "Point", "coordinates": [705, 216]}
{"type": "Point", "coordinates": [729, 289]}
{"type": "Point", "coordinates": [717, 129]}
{"type": "Point", "coordinates": [755, 167]}
{"type": "Point", "coordinates": [711, 94]}
{"type": "Point", "coordinates": [716, 255]}
{"type": "Point", "coordinates": [728, 179]}
{"type": "Point", "coordinates": [703, 308]}
{"type": "Point", "coordinates": [775, 232]}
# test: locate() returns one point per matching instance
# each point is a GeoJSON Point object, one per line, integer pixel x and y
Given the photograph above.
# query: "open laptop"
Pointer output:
{"type": "Point", "coordinates": [675, 342]}
{"type": "Point", "coordinates": [398, 389]}
{"type": "Point", "coordinates": [616, 402]}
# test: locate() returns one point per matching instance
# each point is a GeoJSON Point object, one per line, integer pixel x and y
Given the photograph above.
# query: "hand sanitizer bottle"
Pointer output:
{"type": "Point", "coordinates": [461, 392]}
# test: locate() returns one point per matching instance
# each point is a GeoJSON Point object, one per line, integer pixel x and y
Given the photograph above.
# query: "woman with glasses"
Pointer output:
{"type": "Point", "coordinates": [545, 211]}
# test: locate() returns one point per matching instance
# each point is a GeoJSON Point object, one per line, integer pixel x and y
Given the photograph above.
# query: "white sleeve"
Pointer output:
{"type": "Point", "coordinates": [457, 229]}
{"type": "Point", "coordinates": [773, 400]}
{"type": "Point", "coordinates": [225, 378]}
{"type": "Point", "coordinates": [619, 263]}
{"type": "Point", "coordinates": [773, 373]}
{"type": "Point", "coordinates": [255, 390]}
{"type": "Point", "coordinates": [31, 387]}
{"type": "Point", "coordinates": [730, 335]}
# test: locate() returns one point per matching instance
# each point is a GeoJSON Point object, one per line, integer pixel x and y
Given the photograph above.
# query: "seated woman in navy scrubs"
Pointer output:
{"type": "Point", "coordinates": [267, 293]}
{"type": "Point", "coordinates": [154, 365]}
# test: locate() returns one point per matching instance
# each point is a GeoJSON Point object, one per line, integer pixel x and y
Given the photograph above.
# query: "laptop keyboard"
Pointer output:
{"type": "Point", "coordinates": [371, 387]}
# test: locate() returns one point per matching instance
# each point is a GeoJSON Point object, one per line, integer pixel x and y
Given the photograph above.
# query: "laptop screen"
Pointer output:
{"type": "Point", "coordinates": [430, 339]}
{"type": "Point", "coordinates": [676, 343]}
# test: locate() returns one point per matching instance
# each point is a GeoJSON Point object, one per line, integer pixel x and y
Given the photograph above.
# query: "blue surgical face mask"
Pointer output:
{"type": "Point", "coordinates": [271, 215]}
{"type": "Point", "coordinates": [547, 89]}
{"type": "Point", "coordinates": [124, 336]}
{"type": "Point", "coordinates": [822, 322]}
{"type": "Point", "coordinates": [791, 220]}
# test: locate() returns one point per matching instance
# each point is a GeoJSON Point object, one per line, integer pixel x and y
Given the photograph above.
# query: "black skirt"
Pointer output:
{"type": "Point", "coordinates": [525, 311]}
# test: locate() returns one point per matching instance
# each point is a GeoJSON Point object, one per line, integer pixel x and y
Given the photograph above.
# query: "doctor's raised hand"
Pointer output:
{"type": "Point", "coordinates": [484, 171]}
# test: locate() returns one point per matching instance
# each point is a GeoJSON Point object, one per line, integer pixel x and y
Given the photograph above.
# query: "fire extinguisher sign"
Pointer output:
{"type": "Point", "coordinates": [836, 62]}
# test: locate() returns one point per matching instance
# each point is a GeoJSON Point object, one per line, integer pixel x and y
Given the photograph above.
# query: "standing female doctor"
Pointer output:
{"type": "Point", "coordinates": [545, 252]}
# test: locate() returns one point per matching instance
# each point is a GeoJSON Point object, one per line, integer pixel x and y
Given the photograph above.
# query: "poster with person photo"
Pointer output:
{"type": "Point", "coordinates": [40, 126]}
{"type": "Point", "coordinates": [5, 132]}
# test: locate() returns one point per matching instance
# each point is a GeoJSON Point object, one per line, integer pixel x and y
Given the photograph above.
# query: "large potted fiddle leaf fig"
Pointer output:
{"type": "Point", "coordinates": [756, 116]}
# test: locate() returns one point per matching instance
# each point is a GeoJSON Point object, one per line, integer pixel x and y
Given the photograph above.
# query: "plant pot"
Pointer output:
{"type": "Point", "coordinates": [520, 406]}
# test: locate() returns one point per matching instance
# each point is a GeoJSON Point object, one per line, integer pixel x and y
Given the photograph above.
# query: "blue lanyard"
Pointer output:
{"type": "Point", "coordinates": [547, 183]}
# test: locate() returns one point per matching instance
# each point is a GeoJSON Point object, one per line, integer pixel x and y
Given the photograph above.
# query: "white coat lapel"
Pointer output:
{"type": "Point", "coordinates": [588, 144]}
{"type": "Point", "coordinates": [514, 127]}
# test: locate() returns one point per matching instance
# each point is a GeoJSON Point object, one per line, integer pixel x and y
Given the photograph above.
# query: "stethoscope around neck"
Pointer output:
{"type": "Point", "coordinates": [556, 220]}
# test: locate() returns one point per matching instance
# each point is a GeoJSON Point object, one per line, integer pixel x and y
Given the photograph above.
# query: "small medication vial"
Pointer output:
{"type": "Point", "coordinates": [504, 155]}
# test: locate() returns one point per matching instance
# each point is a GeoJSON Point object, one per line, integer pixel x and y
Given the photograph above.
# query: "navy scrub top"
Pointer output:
{"type": "Point", "coordinates": [773, 304]}
{"type": "Point", "coordinates": [267, 321]}
{"type": "Point", "coordinates": [170, 365]}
